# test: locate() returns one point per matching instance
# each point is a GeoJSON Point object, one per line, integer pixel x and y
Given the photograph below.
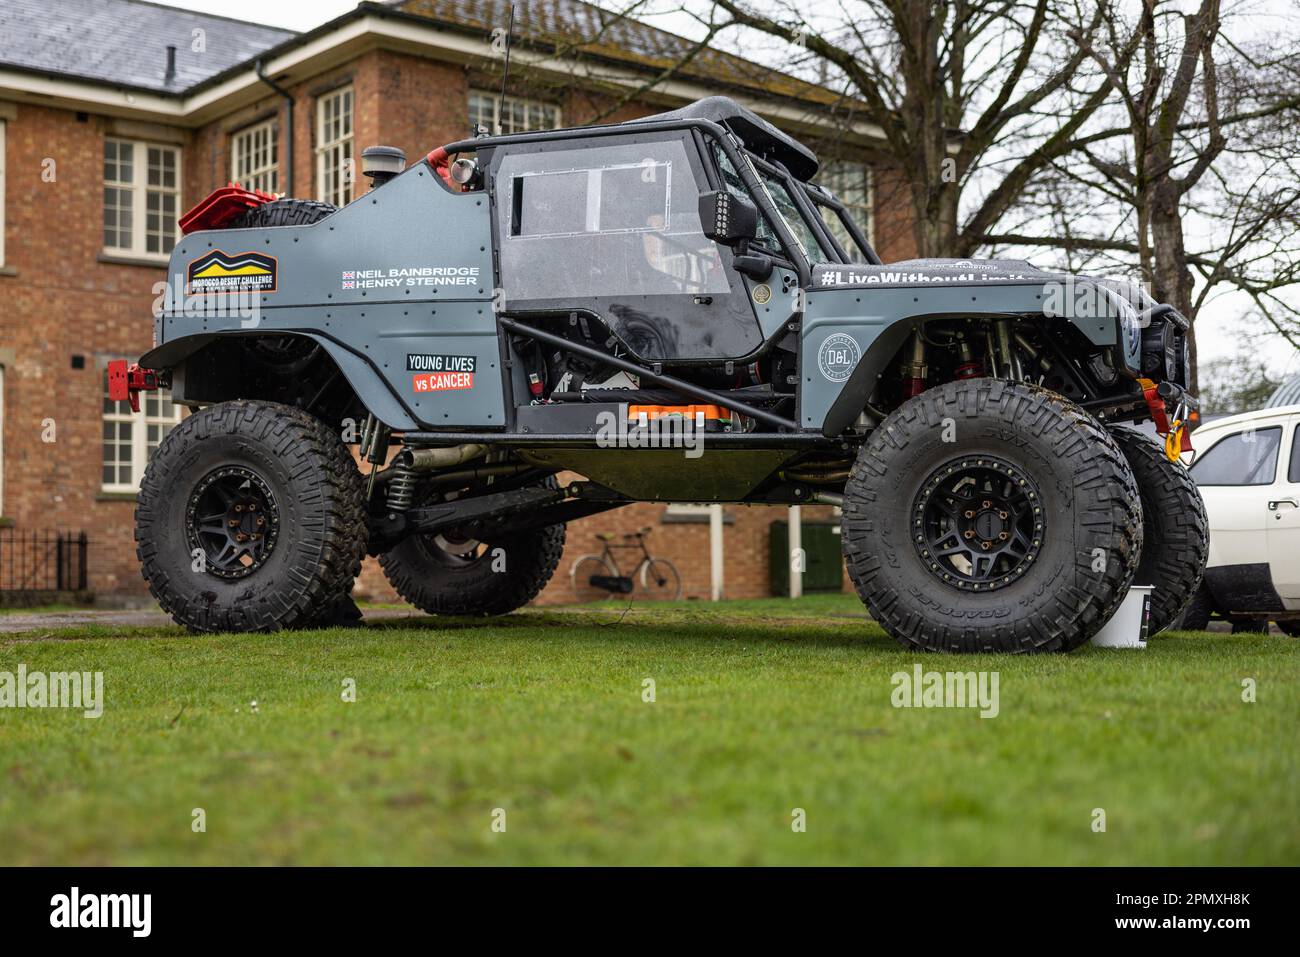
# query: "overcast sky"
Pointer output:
{"type": "Point", "coordinates": [1220, 327]}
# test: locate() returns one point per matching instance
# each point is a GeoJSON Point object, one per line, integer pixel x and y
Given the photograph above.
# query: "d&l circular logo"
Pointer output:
{"type": "Point", "coordinates": [838, 356]}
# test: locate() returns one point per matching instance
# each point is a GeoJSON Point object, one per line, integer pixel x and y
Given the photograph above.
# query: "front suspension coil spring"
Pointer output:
{"type": "Point", "coordinates": [401, 488]}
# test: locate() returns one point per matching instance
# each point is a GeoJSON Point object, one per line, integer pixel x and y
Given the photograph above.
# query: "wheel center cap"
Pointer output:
{"type": "Point", "coordinates": [988, 525]}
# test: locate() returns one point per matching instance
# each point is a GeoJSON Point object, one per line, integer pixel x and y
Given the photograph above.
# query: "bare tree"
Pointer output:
{"type": "Point", "coordinates": [1117, 132]}
{"type": "Point", "coordinates": [1191, 148]}
{"type": "Point", "coordinates": [960, 88]}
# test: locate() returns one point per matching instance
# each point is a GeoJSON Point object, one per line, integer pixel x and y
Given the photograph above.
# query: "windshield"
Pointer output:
{"type": "Point", "coordinates": [810, 244]}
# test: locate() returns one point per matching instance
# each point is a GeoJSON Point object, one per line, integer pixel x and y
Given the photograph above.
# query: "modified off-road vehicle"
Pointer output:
{"type": "Point", "coordinates": [672, 309]}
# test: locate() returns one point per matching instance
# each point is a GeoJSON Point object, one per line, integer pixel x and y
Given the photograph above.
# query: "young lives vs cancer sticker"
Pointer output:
{"type": "Point", "coordinates": [225, 272]}
{"type": "Point", "coordinates": [437, 373]}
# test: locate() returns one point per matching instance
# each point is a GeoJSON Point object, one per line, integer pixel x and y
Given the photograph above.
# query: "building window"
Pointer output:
{"type": "Point", "coordinates": [851, 184]}
{"type": "Point", "coordinates": [334, 147]}
{"type": "Point", "coordinates": [254, 157]}
{"type": "Point", "coordinates": [130, 438]}
{"type": "Point", "coordinates": [141, 197]}
{"type": "Point", "coordinates": [519, 115]}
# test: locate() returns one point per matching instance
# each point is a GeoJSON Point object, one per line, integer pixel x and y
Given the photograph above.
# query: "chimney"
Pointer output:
{"type": "Point", "coordinates": [171, 65]}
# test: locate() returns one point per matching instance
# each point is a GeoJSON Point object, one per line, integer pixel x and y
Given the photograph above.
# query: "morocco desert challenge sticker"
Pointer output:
{"type": "Point", "coordinates": [439, 373]}
{"type": "Point", "coordinates": [225, 272]}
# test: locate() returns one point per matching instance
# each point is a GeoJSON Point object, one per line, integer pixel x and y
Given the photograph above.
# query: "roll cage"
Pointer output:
{"type": "Point", "coordinates": [751, 168]}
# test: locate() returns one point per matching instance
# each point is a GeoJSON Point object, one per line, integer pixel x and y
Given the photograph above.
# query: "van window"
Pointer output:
{"type": "Point", "coordinates": [1293, 470]}
{"type": "Point", "coordinates": [1248, 457]}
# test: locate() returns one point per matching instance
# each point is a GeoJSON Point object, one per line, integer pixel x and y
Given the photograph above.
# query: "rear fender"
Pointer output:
{"type": "Point", "coordinates": [371, 389]}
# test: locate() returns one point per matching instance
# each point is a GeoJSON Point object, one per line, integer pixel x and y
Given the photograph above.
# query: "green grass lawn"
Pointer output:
{"type": "Point", "coordinates": [761, 707]}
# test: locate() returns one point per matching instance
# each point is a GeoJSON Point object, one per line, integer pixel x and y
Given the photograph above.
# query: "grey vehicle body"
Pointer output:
{"type": "Point", "coordinates": [416, 273]}
{"type": "Point", "coordinates": [613, 302]}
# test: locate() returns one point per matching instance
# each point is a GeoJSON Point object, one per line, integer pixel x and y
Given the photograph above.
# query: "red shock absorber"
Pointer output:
{"type": "Point", "coordinates": [968, 367]}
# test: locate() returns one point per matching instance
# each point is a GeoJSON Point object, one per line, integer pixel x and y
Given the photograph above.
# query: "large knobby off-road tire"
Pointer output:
{"type": "Point", "coordinates": [275, 476]}
{"type": "Point", "coordinates": [1175, 529]}
{"type": "Point", "coordinates": [450, 575]}
{"type": "Point", "coordinates": [988, 515]}
{"type": "Point", "coordinates": [1196, 614]}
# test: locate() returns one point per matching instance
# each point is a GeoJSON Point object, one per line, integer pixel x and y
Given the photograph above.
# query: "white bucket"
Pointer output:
{"type": "Point", "coordinates": [1127, 628]}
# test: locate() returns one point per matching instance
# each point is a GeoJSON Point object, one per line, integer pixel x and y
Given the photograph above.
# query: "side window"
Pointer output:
{"type": "Point", "coordinates": [604, 221]}
{"type": "Point", "coordinates": [1243, 458]}
{"type": "Point", "coordinates": [1293, 470]}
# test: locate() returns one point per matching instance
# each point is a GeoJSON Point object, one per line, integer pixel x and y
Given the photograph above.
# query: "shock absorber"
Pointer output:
{"type": "Point", "coordinates": [401, 486]}
{"type": "Point", "coordinates": [968, 367]}
{"type": "Point", "coordinates": [915, 370]}
{"type": "Point", "coordinates": [1010, 361]}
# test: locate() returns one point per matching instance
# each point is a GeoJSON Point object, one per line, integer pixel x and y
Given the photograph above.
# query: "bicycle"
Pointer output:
{"type": "Point", "coordinates": [599, 576]}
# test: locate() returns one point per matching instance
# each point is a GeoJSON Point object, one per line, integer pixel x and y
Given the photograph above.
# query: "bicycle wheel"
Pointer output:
{"type": "Point", "coordinates": [659, 580]}
{"type": "Point", "coordinates": [580, 576]}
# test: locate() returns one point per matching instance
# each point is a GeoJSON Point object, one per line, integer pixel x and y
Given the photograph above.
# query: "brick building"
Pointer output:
{"type": "Point", "coordinates": [118, 115]}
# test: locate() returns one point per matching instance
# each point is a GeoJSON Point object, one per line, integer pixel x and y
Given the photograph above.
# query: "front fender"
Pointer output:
{"type": "Point", "coordinates": [850, 334]}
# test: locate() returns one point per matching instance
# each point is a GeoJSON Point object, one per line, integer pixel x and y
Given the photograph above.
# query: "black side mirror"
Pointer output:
{"type": "Point", "coordinates": [727, 218]}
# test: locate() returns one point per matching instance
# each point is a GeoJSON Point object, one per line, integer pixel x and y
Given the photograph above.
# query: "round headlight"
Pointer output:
{"type": "Point", "coordinates": [463, 171]}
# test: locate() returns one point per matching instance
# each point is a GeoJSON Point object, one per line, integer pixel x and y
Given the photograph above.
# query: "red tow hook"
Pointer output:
{"type": "Point", "coordinates": [126, 382]}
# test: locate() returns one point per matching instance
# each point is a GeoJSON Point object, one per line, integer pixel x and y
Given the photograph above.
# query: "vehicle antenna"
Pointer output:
{"type": "Point", "coordinates": [505, 76]}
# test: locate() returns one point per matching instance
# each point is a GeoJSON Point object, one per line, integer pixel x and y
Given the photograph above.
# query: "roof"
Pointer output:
{"type": "Point", "coordinates": [1288, 393]}
{"type": "Point", "coordinates": [578, 27]}
{"type": "Point", "coordinates": [124, 42]}
{"type": "Point", "coordinates": [758, 134]}
{"type": "Point", "coordinates": [1241, 418]}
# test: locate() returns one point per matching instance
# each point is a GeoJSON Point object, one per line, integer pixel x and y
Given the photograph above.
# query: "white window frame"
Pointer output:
{"type": "Point", "coordinates": [335, 179]}
{"type": "Point", "coordinates": [484, 108]}
{"type": "Point", "coordinates": [254, 164]}
{"type": "Point", "coordinates": [140, 422]}
{"type": "Point", "coordinates": [140, 190]}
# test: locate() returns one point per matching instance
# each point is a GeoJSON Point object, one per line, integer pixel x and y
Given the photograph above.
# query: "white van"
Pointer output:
{"type": "Point", "coordinates": [1248, 471]}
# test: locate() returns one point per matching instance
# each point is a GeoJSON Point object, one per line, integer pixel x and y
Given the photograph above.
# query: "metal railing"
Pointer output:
{"type": "Point", "coordinates": [42, 560]}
